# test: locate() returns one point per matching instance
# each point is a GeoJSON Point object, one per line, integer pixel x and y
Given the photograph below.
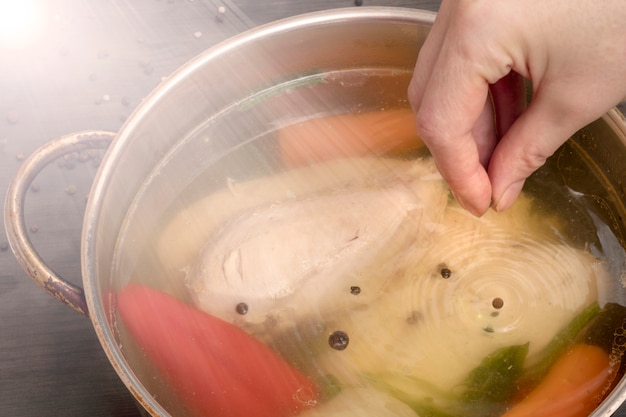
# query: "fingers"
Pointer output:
{"type": "Point", "coordinates": [532, 138]}
{"type": "Point", "coordinates": [456, 123]}
{"type": "Point", "coordinates": [459, 144]}
{"type": "Point", "coordinates": [457, 126]}
{"type": "Point", "coordinates": [477, 43]}
{"type": "Point", "coordinates": [428, 55]}
{"type": "Point", "coordinates": [467, 178]}
{"type": "Point", "coordinates": [461, 170]}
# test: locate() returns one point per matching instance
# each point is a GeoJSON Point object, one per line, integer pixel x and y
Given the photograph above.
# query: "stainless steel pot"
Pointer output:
{"type": "Point", "coordinates": [284, 52]}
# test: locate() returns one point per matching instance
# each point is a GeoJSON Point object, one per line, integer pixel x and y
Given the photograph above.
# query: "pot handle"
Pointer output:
{"type": "Point", "coordinates": [15, 225]}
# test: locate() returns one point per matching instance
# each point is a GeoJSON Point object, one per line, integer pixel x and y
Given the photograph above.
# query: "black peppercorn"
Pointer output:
{"type": "Point", "coordinates": [242, 308]}
{"type": "Point", "coordinates": [445, 272]}
{"type": "Point", "coordinates": [497, 303]}
{"type": "Point", "coordinates": [338, 340]}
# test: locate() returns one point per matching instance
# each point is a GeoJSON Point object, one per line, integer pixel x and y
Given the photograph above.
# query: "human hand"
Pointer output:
{"type": "Point", "coordinates": [574, 54]}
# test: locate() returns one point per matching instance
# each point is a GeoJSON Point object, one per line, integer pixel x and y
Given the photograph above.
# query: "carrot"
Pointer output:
{"type": "Point", "coordinates": [217, 369]}
{"type": "Point", "coordinates": [358, 134]}
{"type": "Point", "coordinates": [573, 386]}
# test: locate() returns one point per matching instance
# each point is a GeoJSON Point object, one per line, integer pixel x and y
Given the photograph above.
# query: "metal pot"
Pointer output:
{"type": "Point", "coordinates": [154, 142]}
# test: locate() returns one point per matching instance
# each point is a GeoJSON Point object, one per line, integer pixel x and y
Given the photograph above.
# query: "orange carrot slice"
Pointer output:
{"type": "Point", "coordinates": [379, 132]}
{"type": "Point", "coordinates": [573, 386]}
{"type": "Point", "coordinates": [217, 368]}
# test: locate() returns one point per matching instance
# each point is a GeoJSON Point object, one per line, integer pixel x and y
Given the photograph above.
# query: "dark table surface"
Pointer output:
{"type": "Point", "coordinates": [86, 65]}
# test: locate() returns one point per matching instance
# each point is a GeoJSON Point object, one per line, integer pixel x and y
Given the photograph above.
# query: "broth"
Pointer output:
{"type": "Point", "coordinates": [403, 321]}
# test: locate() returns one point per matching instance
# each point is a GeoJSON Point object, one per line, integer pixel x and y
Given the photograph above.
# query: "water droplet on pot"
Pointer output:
{"type": "Point", "coordinates": [83, 156]}
{"type": "Point", "coordinates": [13, 117]}
{"type": "Point", "coordinates": [144, 62]}
{"type": "Point", "coordinates": [221, 11]}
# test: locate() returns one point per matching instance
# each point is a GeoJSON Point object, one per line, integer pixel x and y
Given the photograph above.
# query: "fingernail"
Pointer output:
{"type": "Point", "coordinates": [472, 208]}
{"type": "Point", "coordinates": [509, 196]}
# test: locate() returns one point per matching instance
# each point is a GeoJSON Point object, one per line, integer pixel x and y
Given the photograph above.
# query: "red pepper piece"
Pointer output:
{"type": "Point", "coordinates": [218, 369]}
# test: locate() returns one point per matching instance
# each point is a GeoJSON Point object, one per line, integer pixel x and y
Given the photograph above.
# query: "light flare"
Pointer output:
{"type": "Point", "coordinates": [21, 22]}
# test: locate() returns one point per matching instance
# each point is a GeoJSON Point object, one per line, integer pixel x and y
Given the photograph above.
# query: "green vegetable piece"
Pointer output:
{"type": "Point", "coordinates": [606, 328]}
{"type": "Point", "coordinates": [563, 339]}
{"type": "Point", "coordinates": [329, 387]}
{"type": "Point", "coordinates": [426, 408]}
{"type": "Point", "coordinates": [424, 398]}
{"type": "Point", "coordinates": [494, 381]}
{"type": "Point", "coordinates": [488, 387]}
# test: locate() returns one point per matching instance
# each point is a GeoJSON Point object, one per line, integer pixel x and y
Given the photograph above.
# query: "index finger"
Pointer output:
{"type": "Point", "coordinates": [451, 106]}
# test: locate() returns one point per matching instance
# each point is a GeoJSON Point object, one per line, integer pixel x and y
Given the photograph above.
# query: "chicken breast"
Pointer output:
{"type": "Point", "coordinates": [188, 231]}
{"type": "Point", "coordinates": [286, 258]}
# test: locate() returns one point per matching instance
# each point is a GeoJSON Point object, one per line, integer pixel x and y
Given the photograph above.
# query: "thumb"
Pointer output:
{"type": "Point", "coordinates": [529, 142]}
